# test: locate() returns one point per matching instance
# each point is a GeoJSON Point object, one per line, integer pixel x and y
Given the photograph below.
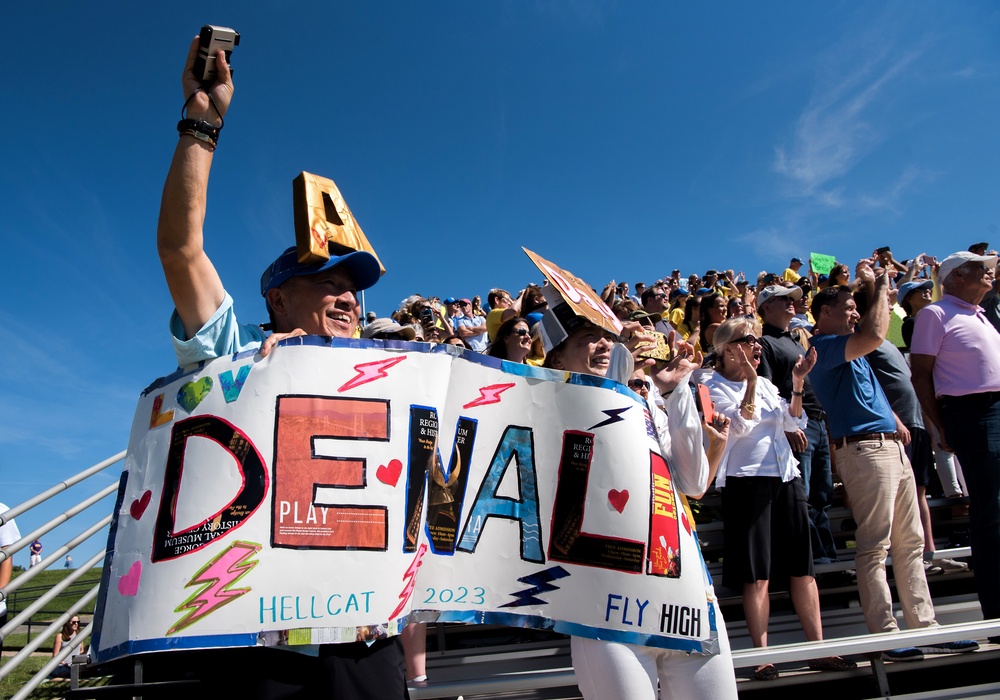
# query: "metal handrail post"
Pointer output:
{"type": "Point", "coordinates": [29, 648]}
{"type": "Point", "coordinates": [57, 554]}
{"type": "Point", "coordinates": [18, 619]}
{"type": "Point", "coordinates": [54, 523]}
{"type": "Point", "coordinates": [44, 672]}
{"type": "Point", "coordinates": [12, 513]}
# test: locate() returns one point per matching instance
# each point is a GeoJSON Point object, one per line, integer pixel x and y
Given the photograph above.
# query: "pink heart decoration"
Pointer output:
{"type": "Point", "coordinates": [138, 506]}
{"type": "Point", "coordinates": [389, 474]}
{"type": "Point", "coordinates": [128, 585]}
{"type": "Point", "coordinates": [618, 499]}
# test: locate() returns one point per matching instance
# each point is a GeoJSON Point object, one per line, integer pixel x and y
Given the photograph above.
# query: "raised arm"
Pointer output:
{"type": "Point", "coordinates": [194, 284]}
{"type": "Point", "coordinates": [871, 331]}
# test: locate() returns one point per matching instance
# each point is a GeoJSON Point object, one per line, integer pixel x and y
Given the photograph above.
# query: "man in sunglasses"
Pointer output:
{"type": "Point", "coordinates": [470, 327]}
{"type": "Point", "coordinates": [868, 441]}
{"type": "Point", "coordinates": [955, 358]}
{"type": "Point", "coordinates": [779, 353]}
{"type": "Point", "coordinates": [655, 302]}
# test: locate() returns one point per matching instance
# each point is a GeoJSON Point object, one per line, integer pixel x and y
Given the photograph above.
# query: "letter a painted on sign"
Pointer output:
{"type": "Point", "coordinates": [516, 443]}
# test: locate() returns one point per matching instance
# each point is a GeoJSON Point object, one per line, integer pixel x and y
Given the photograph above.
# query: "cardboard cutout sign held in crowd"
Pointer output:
{"type": "Point", "coordinates": [330, 491]}
{"type": "Point", "coordinates": [576, 293]}
{"type": "Point", "coordinates": [324, 222]}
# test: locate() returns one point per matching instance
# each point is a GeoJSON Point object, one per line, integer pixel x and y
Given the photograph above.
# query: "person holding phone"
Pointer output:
{"type": "Point", "coordinates": [765, 519]}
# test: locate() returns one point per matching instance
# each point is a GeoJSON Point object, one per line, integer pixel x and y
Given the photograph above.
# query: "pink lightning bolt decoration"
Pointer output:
{"type": "Point", "coordinates": [370, 371]}
{"type": "Point", "coordinates": [215, 579]}
{"type": "Point", "coordinates": [411, 572]}
{"type": "Point", "coordinates": [488, 394]}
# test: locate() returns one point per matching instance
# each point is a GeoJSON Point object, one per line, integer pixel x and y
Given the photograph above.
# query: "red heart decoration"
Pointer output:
{"type": "Point", "coordinates": [389, 474]}
{"type": "Point", "coordinates": [685, 522]}
{"type": "Point", "coordinates": [138, 506]}
{"type": "Point", "coordinates": [618, 499]}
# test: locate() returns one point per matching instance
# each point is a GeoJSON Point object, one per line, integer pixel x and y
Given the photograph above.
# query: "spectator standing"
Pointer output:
{"type": "Point", "coordinates": [791, 273]}
{"type": "Point", "coordinates": [893, 375]}
{"type": "Point", "coordinates": [811, 447]}
{"type": "Point", "coordinates": [654, 301]}
{"type": "Point", "coordinates": [301, 298]}
{"type": "Point", "coordinates": [675, 313]}
{"type": "Point", "coordinates": [607, 669]}
{"type": "Point", "coordinates": [639, 288]}
{"type": "Point", "coordinates": [712, 312]}
{"type": "Point", "coordinates": [69, 562]}
{"type": "Point", "coordinates": [766, 524]}
{"type": "Point", "coordinates": [502, 307]}
{"type": "Point", "coordinates": [956, 372]}
{"type": "Point", "coordinates": [872, 462]}
{"type": "Point", "coordinates": [35, 554]}
{"type": "Point", "coordinates": [913, 296]}
{"type": "Point", "coordinates": [469, 326]}
{"type": "Point", "coordinates": [9, 534]}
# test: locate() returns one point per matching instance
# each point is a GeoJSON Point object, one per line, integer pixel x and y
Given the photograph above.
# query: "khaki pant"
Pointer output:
{"type": "Point", "coordinates": [879, 482]}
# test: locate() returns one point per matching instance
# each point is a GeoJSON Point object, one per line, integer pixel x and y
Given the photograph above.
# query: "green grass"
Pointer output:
{"type": "Point", "coordinates": [52, 609]}
{"type": "Point", "coordinates": [48, 690]}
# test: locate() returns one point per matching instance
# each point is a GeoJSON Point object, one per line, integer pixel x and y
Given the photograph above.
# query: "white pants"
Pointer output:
{"type": "Point", "coordinates": [609, 671]}
{"type": "Point", "coordinates": [35, 559]}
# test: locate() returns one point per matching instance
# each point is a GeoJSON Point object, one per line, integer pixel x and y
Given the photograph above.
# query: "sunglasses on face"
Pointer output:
{"type": "Point", "coordinates": [747, 340]}
{"type": "Point", "coordinates": [659, 295]}
{"type": "Point", "coordinates": [522, 332]}
{"type": "Point", "coordinates": [638, 384]}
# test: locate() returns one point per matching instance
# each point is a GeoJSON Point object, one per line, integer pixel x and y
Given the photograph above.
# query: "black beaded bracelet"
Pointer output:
{"type": "Point", "coordinates": [200, 129]}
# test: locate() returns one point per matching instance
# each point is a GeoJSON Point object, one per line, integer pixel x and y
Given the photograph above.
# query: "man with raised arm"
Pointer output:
{"type": "Point", "coordinates": [316, 299]}
{"type": "Point", "coordinates": [868, 441]}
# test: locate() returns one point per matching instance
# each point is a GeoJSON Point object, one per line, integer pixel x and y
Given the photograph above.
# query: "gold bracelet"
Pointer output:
{"type": "Point", "coordinates": [748, 406]}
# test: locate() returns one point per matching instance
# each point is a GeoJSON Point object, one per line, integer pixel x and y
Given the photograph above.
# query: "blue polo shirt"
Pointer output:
{"type": "Point", "coordinates": [851, 396]}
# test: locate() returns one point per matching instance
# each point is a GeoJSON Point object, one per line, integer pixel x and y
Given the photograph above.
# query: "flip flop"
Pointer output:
{"type": "Point", "coordinates": [767, 672]}
{"type": "Point", "coordinates": [832, 663]}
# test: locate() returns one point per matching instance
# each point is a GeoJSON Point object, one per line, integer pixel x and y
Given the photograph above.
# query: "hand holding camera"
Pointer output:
{"type": "Point", "coordinates": [207, 78]}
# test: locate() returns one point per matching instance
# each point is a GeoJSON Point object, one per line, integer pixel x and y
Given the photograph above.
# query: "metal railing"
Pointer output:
{"type": "Point", "coordinates": [84, 603]}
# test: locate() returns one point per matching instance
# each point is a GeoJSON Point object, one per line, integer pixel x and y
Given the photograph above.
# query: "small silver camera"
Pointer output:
{"type": "Point", "coordinates": [213, 39]}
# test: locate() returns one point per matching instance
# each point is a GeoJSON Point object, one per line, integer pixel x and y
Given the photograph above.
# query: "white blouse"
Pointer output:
{"type": "Point", "coordinates": [756, 447]}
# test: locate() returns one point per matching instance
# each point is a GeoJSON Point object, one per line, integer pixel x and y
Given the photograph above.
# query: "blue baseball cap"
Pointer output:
{"type": "Point", "coordinates": [363, 267]}
{"type": "Point", "coordinates": [912, 286]}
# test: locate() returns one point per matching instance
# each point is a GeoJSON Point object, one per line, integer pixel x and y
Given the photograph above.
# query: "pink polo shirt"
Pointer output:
{"type": "Point", "coordinates": [966, 347]}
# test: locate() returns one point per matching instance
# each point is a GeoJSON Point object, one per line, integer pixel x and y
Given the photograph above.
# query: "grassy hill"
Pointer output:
{"type": "Point", "coordinates": [20, 600]}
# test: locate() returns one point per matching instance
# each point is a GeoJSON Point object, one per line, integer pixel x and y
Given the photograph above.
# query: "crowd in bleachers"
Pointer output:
{"type": "Point", "coordinates": [752, 338]}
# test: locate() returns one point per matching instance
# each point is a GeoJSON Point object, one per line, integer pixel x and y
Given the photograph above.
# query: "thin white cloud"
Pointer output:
{"type": "Point", "coordinates": [833, 134]}
{"type": "Point", "coordinates": [890, 199]}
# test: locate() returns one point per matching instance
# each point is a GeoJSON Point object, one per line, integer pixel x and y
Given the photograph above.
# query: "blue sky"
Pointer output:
{"type": "Point", "coordinates": [618, 139]}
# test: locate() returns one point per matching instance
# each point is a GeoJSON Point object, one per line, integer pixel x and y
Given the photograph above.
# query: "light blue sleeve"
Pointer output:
{"type": "Point", "coordinates": [221, 335]}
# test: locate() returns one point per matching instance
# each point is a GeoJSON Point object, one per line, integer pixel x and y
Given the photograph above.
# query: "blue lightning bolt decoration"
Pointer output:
{"type": "Point", "coordinates": [540, 583]}
{"type": "Point", "coordinates": [215, 580]}
{"type": "Point", "coordinates": [614, 416]}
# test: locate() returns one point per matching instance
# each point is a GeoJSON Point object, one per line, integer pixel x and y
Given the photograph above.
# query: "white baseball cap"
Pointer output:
{"type": "Point", "coordinates": [956, 260]}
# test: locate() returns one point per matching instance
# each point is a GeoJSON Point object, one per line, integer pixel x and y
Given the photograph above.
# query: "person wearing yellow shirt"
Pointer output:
{"type": "Point", "coordinates": [791, 273]}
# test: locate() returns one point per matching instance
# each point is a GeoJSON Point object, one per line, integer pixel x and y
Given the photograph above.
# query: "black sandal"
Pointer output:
{"type": "Point", "coordinates": [767, 672]}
